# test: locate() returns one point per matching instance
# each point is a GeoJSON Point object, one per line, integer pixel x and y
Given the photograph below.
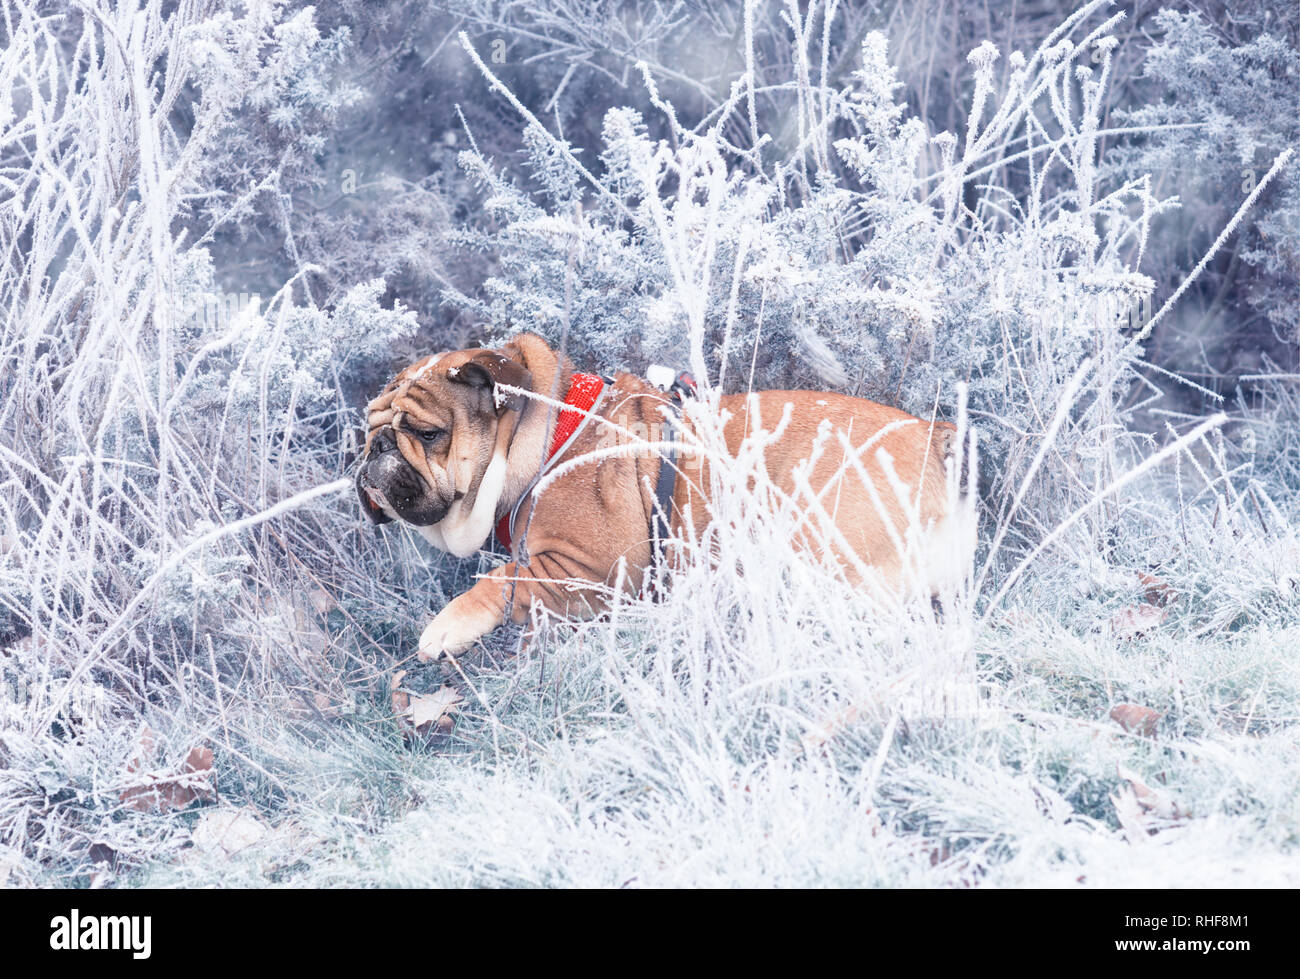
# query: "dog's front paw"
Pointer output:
{"type": "Point", "coordinates": [454, 630]}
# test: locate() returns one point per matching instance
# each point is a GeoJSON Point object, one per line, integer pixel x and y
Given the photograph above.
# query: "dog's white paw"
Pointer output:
{"type": "Point", "coordinates": [452, 631]}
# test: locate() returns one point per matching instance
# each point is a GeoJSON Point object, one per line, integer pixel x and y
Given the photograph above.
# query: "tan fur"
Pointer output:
{"type": "Point", "coordinates": [591, 519]}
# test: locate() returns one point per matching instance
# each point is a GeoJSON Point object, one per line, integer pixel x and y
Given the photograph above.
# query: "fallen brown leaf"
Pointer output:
{"type": "Point", "coordinates": [429, 710]}
{"type": "Point", "coordinates": [964, 872]}
{"type": "Point", "coordinates": [148, 747]}
{"type": "Point", "coordinates": [1148, 799]}
{"type": "Point", "coordinates": [161, 792]}
{"type": "Point", "coordinates": [423, 714]}
{"type": "Point", "coordinates": [1129, 814]}
{"type": "Point", "coordinates": [1137, 620]}
{"type": "Point", "coordinates": [1155, 591]}
{"type": "Point", "coordinates": [401, 699]}
{"type": "Point", "coordinates": [1136, 719]}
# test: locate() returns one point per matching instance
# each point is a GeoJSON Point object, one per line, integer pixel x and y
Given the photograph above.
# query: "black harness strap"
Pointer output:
{"type": "Point", "coordinates": [666, 485]}
{"type": "Point", "coordinates": [664, 490]}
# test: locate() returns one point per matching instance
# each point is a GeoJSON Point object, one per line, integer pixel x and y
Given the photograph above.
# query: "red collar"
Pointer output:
{"type": "Point", "coordinates": [584, 389]}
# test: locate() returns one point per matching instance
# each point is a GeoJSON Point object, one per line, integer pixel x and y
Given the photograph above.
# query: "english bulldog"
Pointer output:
{"type": "Point", "coordinates": [457, 443]}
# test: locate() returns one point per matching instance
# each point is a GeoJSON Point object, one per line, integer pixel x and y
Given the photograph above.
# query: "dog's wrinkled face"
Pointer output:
{"type": "Point", "coordinates": [434, 433]}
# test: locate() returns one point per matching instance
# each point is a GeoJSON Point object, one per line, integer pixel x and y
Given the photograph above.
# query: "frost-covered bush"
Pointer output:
{"type": "Point", "coordinates": [266, 90]}
{"type": "Point", "coordinates": [378, 104]}
{"type": "Point", "coordinates": [1225, 112]}
{"type": "Point", "coordinates": [875, 257]}
{"type": "Point", "coordinates": [378, 123]}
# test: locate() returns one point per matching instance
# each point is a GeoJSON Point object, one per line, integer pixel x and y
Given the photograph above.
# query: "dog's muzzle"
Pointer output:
{"type": "Point", "coordinates": [388, 484]}
{"type": "Point", "coordinates": [371, 496]}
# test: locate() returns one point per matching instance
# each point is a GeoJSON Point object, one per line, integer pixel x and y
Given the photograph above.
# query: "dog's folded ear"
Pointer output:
{"type": "Point", "coordinates": [487, 370]}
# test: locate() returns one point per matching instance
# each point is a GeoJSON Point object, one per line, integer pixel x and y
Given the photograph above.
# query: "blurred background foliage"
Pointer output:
{"type": "Point", "coordinates": [363, 181]}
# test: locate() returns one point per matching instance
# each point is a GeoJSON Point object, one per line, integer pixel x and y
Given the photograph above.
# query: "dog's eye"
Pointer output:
{"type": "Point", "coordinates": [431, 435]}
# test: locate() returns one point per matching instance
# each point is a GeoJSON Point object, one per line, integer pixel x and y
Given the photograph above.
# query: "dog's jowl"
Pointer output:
{"type": "Point", "coordinates": [457, 446]}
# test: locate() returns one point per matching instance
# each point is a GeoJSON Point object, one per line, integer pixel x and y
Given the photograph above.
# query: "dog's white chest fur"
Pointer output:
{"type": "Point", "coordinates": [464, 530]}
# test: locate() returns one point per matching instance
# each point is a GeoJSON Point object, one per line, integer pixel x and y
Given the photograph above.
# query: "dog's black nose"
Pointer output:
{"type": "Point", "coordinates": [384, 441]}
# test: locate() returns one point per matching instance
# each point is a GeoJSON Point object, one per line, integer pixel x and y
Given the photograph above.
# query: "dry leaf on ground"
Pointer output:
{"type": "Point", "coordinates": [161, 792]}
{"type": "Point", "coordinates": [1155, 591]}
{"type": "Point", "coordinates": [433, 710]}
{"type": "Point", "coordinates": [228, 831]}
{"type": "Point", "coordinates": [1137, 620]}
{"type": "Point", "coordinates": [423, 714]}
{"type": "Point", "coordinates": [1136, 719]}
{"type": "Point", "coordinates": [401, 699]}
{"type": "Point", "coordinates": [1137, 803]}
{"type": "Point", "coordinates": [1156, 803]}
{"type": "Point", "coordinates": [102, 853]}
{"type": "Point", "coordinates": [1129, 814]}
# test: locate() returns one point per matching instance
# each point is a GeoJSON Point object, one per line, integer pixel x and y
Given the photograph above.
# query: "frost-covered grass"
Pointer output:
{"type": "Point", "coordinates": [765, 728]}
{"type": "Point", "coordinates": [177, 552]}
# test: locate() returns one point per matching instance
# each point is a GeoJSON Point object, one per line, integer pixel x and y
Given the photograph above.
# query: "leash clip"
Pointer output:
{"type": "Point", "coordinates": [661, 376]}
{"type": "Point", "coordinates": [678, 384]}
